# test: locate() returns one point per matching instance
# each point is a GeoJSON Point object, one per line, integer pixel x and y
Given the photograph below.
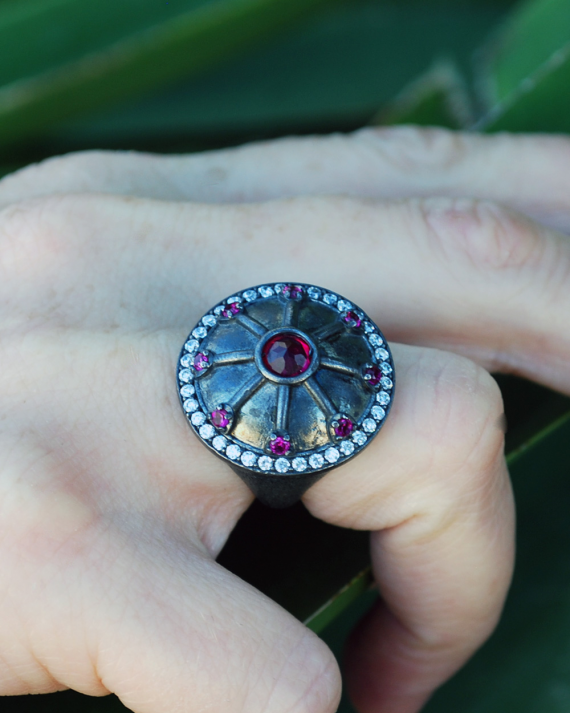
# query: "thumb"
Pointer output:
{"type": "Point", "coordinates": [156, 621]}
{"type": "Point", "coordinates": [207, 641]}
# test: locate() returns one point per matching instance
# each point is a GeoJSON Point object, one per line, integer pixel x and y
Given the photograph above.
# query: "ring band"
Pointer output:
{"type": "Point", "coordinates": [285, 381]}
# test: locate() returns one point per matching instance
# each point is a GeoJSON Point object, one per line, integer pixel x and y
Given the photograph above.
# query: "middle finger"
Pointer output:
{"type": "Point", "coordinates": [453, 273]}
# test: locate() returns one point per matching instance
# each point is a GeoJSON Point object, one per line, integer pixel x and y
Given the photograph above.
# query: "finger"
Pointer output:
{"type": "Point", "coordinates": [130, 605]}
{"type": "Point", "coordinates": [455, 274]}
{"type": "Point", "coordinates": [433, 487]}
{"type": "Point", "coordinates": [108, 403]}
{"type": "Point", "coordinates": [528, 173]}
{"type": "Point", "coordinates": [111, 513]}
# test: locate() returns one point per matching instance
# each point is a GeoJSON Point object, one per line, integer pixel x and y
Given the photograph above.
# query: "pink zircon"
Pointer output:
{"type": "Point", "coordinates": [352, 319]}
{"type": "Point", "coordinates": [279, 446]}
{"type": "Point", "coordinates": [231, 310]}
{"type": "Point", "coordinates": [373, 375]}
{"type": "Point", "coordinates": [343, 428]}
{"type": "Point", "coordinates": [201, 361]}
{"type": "Point", "coordinates": [220, 418]}
{"type": "Point", "coordinates": [292, 291]}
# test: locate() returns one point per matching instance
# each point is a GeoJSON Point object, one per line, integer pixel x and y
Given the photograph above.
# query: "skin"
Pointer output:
{"type": "Point", "coordinates": [111, 513]}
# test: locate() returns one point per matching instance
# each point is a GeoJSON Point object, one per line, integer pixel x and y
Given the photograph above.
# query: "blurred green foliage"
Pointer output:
{"type": "Point", "coordinates": [194, 74]}
{"type": "Point", "coordinates": [59, 58]}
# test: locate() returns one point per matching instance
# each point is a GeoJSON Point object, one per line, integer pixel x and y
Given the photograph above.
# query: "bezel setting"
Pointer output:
{"type": "Point", "coordinates": [289, 308]}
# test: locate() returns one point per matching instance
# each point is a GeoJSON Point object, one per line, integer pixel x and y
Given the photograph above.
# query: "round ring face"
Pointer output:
{"type": "Point", "coordinates": [286, 378]}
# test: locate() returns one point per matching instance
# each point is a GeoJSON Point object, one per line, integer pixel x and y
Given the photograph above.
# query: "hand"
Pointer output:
{"type": "Point", "coordinates": [112, 513]}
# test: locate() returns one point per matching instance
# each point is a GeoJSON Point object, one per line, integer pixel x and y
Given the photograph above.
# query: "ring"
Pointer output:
{"type": "Point", "coordinates": [285, 381]}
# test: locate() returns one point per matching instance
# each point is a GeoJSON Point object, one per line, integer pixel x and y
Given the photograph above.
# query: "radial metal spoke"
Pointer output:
{"type": "Point", "coordinates": [246, 391]}
{"type": "Point", "coordinates": [283, 401]}
{"type": "Point", "coordinates": [321, 398]}
{"type": "Point", "coordinates": [290, 313]}
{"type": "Point", "coordinates": [233, 357]}
{"type": "Point", "coordinates": [250, 324]}
{"type": "Point", "coordinates": [341, 367]}
{"type": "Point", "coordinates": [327, 331]}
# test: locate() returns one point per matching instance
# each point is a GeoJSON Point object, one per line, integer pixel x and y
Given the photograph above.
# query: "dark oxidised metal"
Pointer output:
{"type": "Point", "coordinates": [304, 408]}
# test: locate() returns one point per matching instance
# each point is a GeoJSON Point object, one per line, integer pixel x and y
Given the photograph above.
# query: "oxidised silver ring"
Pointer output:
{"type": "Point", "coordinates": [284, 382]}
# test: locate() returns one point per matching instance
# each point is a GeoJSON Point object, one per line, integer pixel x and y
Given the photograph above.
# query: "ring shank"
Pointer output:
{"type": "Point", "coordinates": [278, 491]}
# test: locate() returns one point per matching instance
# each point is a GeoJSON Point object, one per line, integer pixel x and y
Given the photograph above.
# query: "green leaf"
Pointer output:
{"type": "Point", "coordinates": [437, 98]}
{"type": "Point", "coordinates": [525, 71]}
{"type": "Point", "coordinates": [341, 600]}
{"type": "Point", "coordinates": [59, 58]}
{"type": "Point", "coordinates": [535, 32]}
{"type": "Point", "coordinates": [330, 73]}
{"type": "Point", "coordinates": [540, 103]}
{"type": "Point", "coordinates": [521, 82]}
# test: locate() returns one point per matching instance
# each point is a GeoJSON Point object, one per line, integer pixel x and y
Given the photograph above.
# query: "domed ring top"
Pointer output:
{"type": "Point", "coordinates": [285, 379]}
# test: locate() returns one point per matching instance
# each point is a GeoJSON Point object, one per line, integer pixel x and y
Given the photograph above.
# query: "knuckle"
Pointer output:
{"type": "Point", "coordinates": [489, 237]}
{"type": "Point", "coordinates": [412, 148]}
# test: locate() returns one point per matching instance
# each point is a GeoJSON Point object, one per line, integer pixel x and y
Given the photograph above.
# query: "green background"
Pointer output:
{"type": "Point", "coordinates": [189, 75]}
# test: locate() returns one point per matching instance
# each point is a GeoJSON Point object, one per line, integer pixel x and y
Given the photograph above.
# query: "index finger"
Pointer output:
{"type": "Point", "coordinates": [528, 173]}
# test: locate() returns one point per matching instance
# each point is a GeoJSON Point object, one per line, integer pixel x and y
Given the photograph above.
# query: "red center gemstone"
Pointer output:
{"type": "Point", "coordinates": [286, 355]}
